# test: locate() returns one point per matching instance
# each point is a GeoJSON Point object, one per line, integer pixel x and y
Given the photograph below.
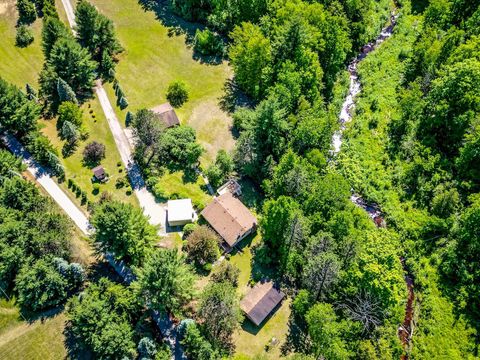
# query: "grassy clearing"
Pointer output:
{"type": "Point", "coordinates": [154, 57]}
{"type": "Point", "coordinates": [171, 241]}
{"type": "Point", "coordinates": [39, 339]}
{"type": "Point", "coordinates": [253, 341]}
{"type": "Point", "coordinates": [249, 339]}
{"type": "Point", "coordinates": [18, 65]}
{"type": "Point", "coordinates": [82, 175]}
{"type": "Point", "coordinates": [174, 185]}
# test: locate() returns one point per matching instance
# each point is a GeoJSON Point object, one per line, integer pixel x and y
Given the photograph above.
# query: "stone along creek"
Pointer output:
{"type": "Point", "coordinates": [405, 330]}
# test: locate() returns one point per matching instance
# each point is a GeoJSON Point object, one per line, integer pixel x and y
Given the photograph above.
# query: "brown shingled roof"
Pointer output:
{"type": "Point", "coordinates": [229, 217]}
{"type": "Point", "coordinates": [260, 301]}
{"type": "Point", "coordinates": [166, 114]}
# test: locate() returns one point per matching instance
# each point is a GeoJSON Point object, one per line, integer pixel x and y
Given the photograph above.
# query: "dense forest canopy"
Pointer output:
{"type": "Point", "coordinates": [412, 149]}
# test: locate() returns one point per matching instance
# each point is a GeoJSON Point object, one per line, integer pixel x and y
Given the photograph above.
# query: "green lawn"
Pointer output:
{"type": "Point", "coordinates": [18, 65]}
{"type": "Point", "coordinates": [40, 339]}
{"type": "Point", "coordinates": [251, 340]}
{"type": "Point", "coordinates": [152, 59]}
{"type": "Point", "coordinates": [82, 175]}
{"type": "Point", "coordinates": [175, 186]}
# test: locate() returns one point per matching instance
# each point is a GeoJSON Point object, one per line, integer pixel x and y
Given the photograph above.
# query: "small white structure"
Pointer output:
{"type": "Point", "coordinates": [180, 212]}
{"type": "Point", "coordinates": [231, 186]}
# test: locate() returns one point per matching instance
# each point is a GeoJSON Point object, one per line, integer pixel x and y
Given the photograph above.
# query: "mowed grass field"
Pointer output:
{"type": "Point", "coordinates": [153, 58]}
{"type": "Point", "coordinates": [18, 65]}
{"type": "Point", "coordinates": [249, 339]}
{"type": "Point", "coordinates": [82, 175]}
{"type": "Point", "coordinates": [40, 339]}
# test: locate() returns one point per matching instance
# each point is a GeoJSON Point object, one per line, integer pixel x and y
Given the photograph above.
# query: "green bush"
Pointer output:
{"type": "Point", "coordinates": [123, 103]}
{"type": "Point", "coordinates": [26, 11]}
{"type": "Point", "coordinates": [96, 189]}
{"type": "Point", "coordinates": [207, 42]}
{"type": "Point", "coordinates": [69, 183]}
{"type": "Point", "coordinates": [207, 267]}
{"type": "Point", "coordinates": [177, 93]}
{"type": "Point", "coordinates": [24, 36]}
{"type": "Point", "coordinates": [188, 229]}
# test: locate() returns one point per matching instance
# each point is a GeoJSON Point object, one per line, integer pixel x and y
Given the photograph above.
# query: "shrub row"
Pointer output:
{"type": "Point", "coordinates": [121, 99]}
{"type": "Point", "coordinates": [79, 193]}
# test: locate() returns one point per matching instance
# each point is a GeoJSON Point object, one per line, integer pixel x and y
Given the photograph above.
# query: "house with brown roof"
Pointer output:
{"type": "Point", "coordinates": [166, 113]}
{"type": "Point", "coordinates": [230, 218]}
{"type": "Point", "coordinates": [260, 301]}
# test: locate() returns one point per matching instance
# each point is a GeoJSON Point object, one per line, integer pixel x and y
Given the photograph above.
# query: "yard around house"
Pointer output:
{"type": "Point", "coordinates": [154, 57]}
{"type": "Point", "coordinates": [38, 339]}
{"type": "Point", "coordinates": [249, 339]}
{"type": "Point", "coordinates": [18, 65]}
{"type": "Point", "coordinates": [82, 175]}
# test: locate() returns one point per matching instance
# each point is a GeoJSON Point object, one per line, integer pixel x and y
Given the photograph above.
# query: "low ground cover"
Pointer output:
{"type": "Point", "coordinates": [38, 339]}
{"type": "Point", "coordinates": [18, 65]}
{"type": "Point", "coordinates": [99, 131]}
{"type": "Point", "coordinates": [154, 57]}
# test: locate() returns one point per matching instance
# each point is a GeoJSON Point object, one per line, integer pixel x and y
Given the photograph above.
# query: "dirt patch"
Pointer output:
{"type": "Point", "coordinates": [213, 128]}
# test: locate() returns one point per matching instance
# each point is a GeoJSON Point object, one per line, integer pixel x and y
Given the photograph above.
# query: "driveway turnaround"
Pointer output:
{"type": "Point", "coordinates": [50, 186]}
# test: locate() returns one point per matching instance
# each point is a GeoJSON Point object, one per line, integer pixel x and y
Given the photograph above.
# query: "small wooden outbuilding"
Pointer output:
{"type": "Point", "coordinates": [99, 173]}
{"type": "Point", "coordinates": [166, 113]}
{"type": "Point", "coordinates": [260, 301]}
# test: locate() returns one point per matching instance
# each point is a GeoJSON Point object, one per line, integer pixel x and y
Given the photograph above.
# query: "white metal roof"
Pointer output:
{"type": "Point", "coordinates": [180, 210]}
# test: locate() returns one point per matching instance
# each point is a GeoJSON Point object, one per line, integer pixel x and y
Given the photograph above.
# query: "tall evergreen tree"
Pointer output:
{"type": "Point", "coordinates": [65, 92]}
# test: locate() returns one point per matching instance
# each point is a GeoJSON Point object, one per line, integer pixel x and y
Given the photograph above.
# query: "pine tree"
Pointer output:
{"type": "Point", "coordinates": [129, 118]}
{"type": "Point", "coordinates": [69, 132]}
{"type": "Point", "coordinates": [107, 66]}
{"type": "Point", "coordinates": [26, 11]}
{"type": "Point", "coordinates": [123, 102]}
{"type": "Point", "coordinates": [65, 92]}
{"type": "Point", "coordinates": [31, 92]}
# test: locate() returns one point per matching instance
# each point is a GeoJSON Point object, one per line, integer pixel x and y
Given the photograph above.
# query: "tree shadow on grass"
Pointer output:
{"type": "Point", "coordinates": [31, 316]}
{"type": "Point", "coordinates": [297, 340]}
{"type": "Point", "coordinates": [178, 26]}
{"type": "Point", "coordinates": [253, 329]}
{"type": "Point", "coordinates": [75, 349]}
{"type": "Point", "coordinates": [234, 97]}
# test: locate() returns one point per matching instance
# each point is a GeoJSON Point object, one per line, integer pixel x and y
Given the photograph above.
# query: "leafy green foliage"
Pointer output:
{"type": "Point", "coordinates": [195, 344]}
{"type": "Point", "coordinates": [95, 32]}
{"type": "Point", "coordinates": [40, 286]}
{"type": "Point", "coordinates": [69, 111]}
{"type": "Point", "coordinates": [26, 11]}
{"type": "Point", "coordinates": [124, 231]}
{"type": "Point", "coordinates": [220, 311]}
{"type": "Point", "coordinates": [24, 36]}
{"type": "Point", "coordinates": [177, 93]}
{"type": "Point", "coordinates": [207, 42]}
{"type": "Point", "coordinates": [101, 319]}
{"type": "Point", "coordinates": [178, 148]}
{"type": "Point", "coordinates": [202, 245]}
{"type": "Point", "coordinates": [250, 55]}
{"type": "Point", "coordinates": [326, 332]}
{"type": "Point", "coordinates": [226, 272]}
{"type": "Point", "coordinates": [218, 172]}
{"type": "Point", "coordinates": [165, 281]}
